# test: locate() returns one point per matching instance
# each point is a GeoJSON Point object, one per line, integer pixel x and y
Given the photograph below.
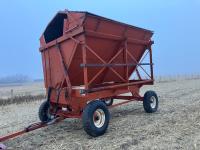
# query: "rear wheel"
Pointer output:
{"type": "Point", "coordinates": [95, 118]}
{"type": "Point", "coordinates": [108, 101]}
{"type": "Point", "coordinates": [44, 112]}
{"type": "Point", "coordinates": [150, 102]}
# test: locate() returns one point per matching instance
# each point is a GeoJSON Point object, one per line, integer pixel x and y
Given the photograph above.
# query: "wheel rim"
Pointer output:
{"type": "Point", "coordinates": [108, 101]}
{"type": "Point", "coordinates": [49, 115]}
{"type": "Point", "coordinates": [99, 118]}
{"type": "Point", "coordinates": [153, 102]}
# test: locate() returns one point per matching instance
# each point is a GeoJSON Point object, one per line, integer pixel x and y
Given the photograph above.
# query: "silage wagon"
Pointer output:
{"type": "Point", "coordinates": [90, 64]}
{"type": "Point", "coordinates": [88, 61]}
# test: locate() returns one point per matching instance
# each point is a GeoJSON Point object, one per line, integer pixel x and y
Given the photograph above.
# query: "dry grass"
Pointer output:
{"type": "Point", "coordinates": [21, 99]}
{"type": "Point", "coordinates": [21, 93]}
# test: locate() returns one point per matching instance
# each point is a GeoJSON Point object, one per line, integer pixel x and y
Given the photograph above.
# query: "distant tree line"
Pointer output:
{"type": "Point", "coordinates": [15, 79]}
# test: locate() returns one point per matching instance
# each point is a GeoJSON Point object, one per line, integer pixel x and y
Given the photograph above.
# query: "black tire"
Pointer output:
{"type": "Point", "coordinates": [43, 113]}
{"type": "Point", "coordinates": [91, 125]}
{"type": "Point", "coordinates": [108, 101]}
{"type": "Point", "coordinates": [150, 102]}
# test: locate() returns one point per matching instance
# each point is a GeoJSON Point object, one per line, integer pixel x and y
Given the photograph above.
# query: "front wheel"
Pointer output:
{"type": "Point", "coordinates": [44, 112]}
{"type": "Point", "coordinates": [95, 118]}
{"type": "Point", "coordinates": [150, 102]}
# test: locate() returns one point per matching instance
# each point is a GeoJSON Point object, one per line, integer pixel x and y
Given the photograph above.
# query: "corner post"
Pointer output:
{"type": "Point", "coordinates": [85, 71]}
{"type": "Point", "coordinates": [126, 59]}
{"type": "Point", "coordinates": [151, 61]}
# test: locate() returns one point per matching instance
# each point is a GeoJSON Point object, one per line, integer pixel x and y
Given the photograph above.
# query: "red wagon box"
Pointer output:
{"type": "Point", "coordinates": [88, 61]}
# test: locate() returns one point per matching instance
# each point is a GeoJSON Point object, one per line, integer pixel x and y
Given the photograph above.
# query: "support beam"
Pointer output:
{"type": "Point", "coordinates": [114, 65]}
{"type": "Point", "coordinates": [151, 61]}
{"type": "Point", "coordinates": [114, 37]}
{"type": "Point", "coordinates": [119, 85]}
{"type": "Point", "coordinates": [85, 71]}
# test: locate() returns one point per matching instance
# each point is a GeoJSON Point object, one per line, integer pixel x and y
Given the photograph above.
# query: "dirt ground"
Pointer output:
{"type": "Point", "coordinates": [176, 124]}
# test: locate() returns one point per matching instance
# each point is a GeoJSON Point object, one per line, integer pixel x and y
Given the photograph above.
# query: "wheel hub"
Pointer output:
{"type": "Point", "coordinates": [108, 101]}
{"type": "Point", "coordinates": [99, 118]}
{"type": "Point", "coordinates": [50, 116]}
{"type": "Point", "coordinates": [153, 102]}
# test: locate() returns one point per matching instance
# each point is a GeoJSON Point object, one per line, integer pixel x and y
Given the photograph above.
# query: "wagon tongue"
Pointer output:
{"type": "Point", "coordinates": [31, 127]}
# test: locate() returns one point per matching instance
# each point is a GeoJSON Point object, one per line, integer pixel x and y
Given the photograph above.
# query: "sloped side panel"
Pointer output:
{"type": "Point", "coordinates": [75, 71]}
{"type": "Point", "coordinates": [107, 48]}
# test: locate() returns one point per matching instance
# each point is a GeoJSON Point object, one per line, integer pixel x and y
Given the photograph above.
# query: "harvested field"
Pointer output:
{"type": "Point", "coordinates": [176, 125]}
{"type": "Point", "coordinates": [23, 89]}
{"type": "Point", "coordinates": [20, 93]}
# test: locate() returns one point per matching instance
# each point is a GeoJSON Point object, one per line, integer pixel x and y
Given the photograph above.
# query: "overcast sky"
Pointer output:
{"type": "Point", "coordinates": [176, 24]}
